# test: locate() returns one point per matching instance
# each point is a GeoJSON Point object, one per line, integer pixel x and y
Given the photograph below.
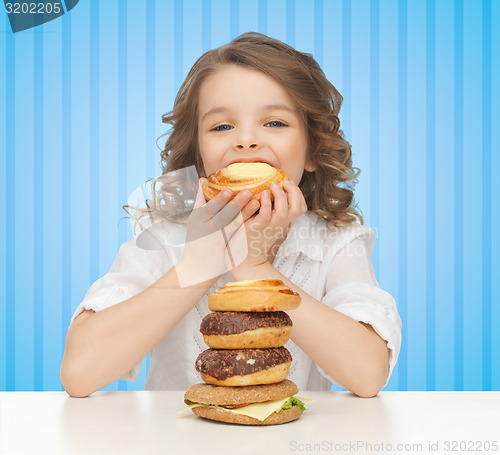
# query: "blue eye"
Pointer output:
{"type": "Point", "coordinates": [276, 124]}
{"type": "Point", "coordinates": [222, 128]}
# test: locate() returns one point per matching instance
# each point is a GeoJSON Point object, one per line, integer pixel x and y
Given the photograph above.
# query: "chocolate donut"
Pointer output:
{"type": "Point", "coordinates": [237, 330]}
{"type": "Point", "coordinates": [239, 367]}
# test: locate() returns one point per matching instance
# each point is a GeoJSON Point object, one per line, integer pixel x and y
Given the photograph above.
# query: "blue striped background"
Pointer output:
{"type": "Point", "coordinates": [81, 100]}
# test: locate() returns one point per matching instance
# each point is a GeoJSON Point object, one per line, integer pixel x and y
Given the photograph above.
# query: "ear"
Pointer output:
{"type": "Point", "coordinates": [310, 167]}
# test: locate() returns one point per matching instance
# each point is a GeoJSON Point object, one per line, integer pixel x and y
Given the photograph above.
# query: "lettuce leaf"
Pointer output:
{"type": "Point", "coordinates": [292, 401]}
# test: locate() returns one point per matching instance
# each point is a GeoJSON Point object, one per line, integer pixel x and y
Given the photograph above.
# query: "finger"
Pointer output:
{"type": "Point", "coordinates": [296, 202]}
{"type": "Point", "coordinates": [204, 212]}
{"type": "Point", "coordinates": [280, 202]}
{"type": "Point", "coordinates": [246, 213]}
{"type": "Point", "coordinates": [265, 210]}
{"type": "Point", "coordinates": [219, 212]}
{"type": "Point", "coordinates": [235, 225]}
{"type": "Point", "coordinates": [239, 201]}
{"type": "Point", "coordinates": [250, 209]}
{"type": "Point", "coordinates": [219, 200]}
{"type": "Point", "coordinates": [230, 211]}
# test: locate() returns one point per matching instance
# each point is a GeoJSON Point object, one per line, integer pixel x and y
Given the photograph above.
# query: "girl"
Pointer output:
{"type": "Point", "coordinates": [255, 99]}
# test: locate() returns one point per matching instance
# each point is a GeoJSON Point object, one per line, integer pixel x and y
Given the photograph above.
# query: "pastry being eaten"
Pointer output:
{"type": "Point", "coordinates": [255, 177]}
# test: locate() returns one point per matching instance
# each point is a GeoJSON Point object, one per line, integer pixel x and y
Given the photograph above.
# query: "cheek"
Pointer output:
{"type": "Point", "coordinates": [204, 151]}
{"type": "Point", "coordinates": [209, 159]}
{"type": "Point", "coordinates": [296, 158]}
{"type": "Point", "coordinates": [207, 166]}
{"type": "Point", "coordinates": [296, 176]}
{"type": "Point", "coordinates": [294, 167]}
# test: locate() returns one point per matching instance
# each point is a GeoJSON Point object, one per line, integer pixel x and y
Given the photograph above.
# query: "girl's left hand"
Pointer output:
{"type": "Point", "coordinates": [270, 225]}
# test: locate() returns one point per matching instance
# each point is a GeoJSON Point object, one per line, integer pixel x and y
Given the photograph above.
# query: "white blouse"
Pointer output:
{"type": "Point", "coordinates": [331, 265]}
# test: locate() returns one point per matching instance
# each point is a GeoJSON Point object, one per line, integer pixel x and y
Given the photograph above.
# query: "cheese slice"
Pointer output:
{"type": "Point", "coordinates": [259, 411]}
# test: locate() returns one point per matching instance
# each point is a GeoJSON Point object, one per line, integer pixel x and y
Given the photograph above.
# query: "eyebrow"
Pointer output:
{"type": "Point", "coordinates": [268, 107]}
{"type": "Point", "coordinates": [215, 110]}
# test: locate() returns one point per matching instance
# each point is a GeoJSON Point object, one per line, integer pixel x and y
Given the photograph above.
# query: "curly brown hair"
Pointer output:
{"type": "Point", "coordinates": [328, 190]}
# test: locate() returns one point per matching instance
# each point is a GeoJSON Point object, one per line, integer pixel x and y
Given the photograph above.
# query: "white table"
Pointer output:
{"type": "Point", "coordinates": [337, 423]}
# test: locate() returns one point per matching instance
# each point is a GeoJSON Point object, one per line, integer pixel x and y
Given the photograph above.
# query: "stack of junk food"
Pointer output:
{"type": "Point", "coordinates": [246, 367]}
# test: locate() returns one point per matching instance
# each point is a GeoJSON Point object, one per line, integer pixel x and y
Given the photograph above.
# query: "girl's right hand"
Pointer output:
{"type": "Point", "coordinates": [211, 244]}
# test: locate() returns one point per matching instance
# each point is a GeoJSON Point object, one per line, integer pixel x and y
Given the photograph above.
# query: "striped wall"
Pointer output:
{"type": "Point", "coordinates": [81, 100]}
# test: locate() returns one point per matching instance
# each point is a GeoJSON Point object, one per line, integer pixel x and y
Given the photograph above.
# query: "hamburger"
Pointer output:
{"type": "Point", "coordinates": [268, 404]}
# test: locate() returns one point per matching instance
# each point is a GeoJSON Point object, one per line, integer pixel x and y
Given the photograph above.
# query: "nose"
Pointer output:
{"type": "Point", "coordinates": [243, 146]}
{"type": "Point", "coordinates": [246, 140]}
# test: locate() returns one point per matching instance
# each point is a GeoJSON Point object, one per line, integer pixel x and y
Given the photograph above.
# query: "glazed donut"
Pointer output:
{"type": "Point", "coordinates": [254, 295]}
{"type": "Point", "coordinates": [241, 367]}
{"type": "Point", "coordinates": [255, 177]}
{"type": "Point", "coordinates": [238, 330]}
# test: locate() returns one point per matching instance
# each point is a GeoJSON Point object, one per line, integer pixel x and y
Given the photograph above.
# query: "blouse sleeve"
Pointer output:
{"type": "Point", "coordinates": [352, 289]}
{"type": "Point", "coordinates": [133, 270]}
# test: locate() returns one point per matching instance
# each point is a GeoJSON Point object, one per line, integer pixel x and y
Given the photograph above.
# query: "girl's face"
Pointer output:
{"type": "Point", "coordinates": [244, 115]}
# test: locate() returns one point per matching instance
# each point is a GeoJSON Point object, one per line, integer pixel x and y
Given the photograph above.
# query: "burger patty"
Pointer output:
{"type": "Point", "coordinates": [233, 322]}
{"type": "Point", "coordinates": [224, 363]}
